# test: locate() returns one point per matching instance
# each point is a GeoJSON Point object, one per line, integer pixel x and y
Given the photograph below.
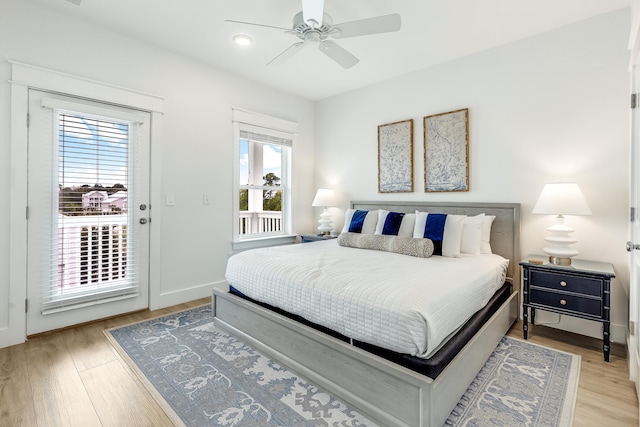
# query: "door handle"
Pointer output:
{"type": "Point", "coordinates": [631, 246]}
{"type": "Point", "coordinates": [143, 220]}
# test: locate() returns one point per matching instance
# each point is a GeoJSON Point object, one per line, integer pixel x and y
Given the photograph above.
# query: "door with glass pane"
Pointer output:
{"type": "Point", "coordinates": [88, 213]}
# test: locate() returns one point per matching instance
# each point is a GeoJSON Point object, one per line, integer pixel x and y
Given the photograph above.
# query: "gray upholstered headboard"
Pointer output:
{"type": "Point", "coordinates": [505, 231]}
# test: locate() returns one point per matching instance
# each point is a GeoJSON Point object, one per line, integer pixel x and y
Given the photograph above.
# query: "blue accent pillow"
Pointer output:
{"type": "Point", "coordinates": [434, 230]}
{"type": "Point", "coordinates": [357, 221]}
{"type": "Point", "coordinates": [392, 223]}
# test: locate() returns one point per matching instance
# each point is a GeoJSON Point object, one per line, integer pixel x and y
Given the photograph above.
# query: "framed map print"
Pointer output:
{"type": "Point", "coordinates": [446, 151]}
{"type": "Point", "coordinates": [395, 157]}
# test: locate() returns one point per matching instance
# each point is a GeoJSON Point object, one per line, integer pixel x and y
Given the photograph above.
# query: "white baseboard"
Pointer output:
{"type": "Point", "coordinates": [11, 336]}
{"type": "Point", "coordinates": [619, 334]}
{"type": "Point", "coordinates": [167, 299]}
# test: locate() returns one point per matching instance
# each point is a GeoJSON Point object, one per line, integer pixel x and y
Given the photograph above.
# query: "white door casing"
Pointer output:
{"type": "Point", "coordinates": [633, 246]}
{"type": "Point", "coordinates": [23, 77]}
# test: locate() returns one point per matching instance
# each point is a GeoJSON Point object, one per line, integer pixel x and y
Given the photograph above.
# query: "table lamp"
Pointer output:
{"type": "Point", "coordinates": [561, 198]}
{"type": "Point", "coordinates": [324, 198]}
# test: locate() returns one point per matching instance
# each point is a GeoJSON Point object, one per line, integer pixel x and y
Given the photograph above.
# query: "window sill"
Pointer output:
{"type": "Point", "coordinates": [262, 242]}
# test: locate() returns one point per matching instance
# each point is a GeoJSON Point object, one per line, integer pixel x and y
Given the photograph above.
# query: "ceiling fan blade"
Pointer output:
{"type": "Point", "coordinates": [288, 53]}
{"type": "Point", "coordinates": [338, 54]}
{"type": "Point", "coordinates": [257, 25]}
{"type": "Point", "coordinates": [312, 12]}
{"type": "Point", "coordinates": [363, 27]}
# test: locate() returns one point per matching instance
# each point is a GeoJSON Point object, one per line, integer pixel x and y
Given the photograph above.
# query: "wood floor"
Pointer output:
{"type": "Point", "coordinates": [75, 378]}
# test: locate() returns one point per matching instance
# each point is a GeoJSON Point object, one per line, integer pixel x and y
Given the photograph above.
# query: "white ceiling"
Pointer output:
{"type": "Point", "coordinates": [433, 31]}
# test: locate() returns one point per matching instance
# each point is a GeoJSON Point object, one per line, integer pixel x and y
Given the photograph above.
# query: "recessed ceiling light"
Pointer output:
{"type": "Point", "coordinates": [242, 40]}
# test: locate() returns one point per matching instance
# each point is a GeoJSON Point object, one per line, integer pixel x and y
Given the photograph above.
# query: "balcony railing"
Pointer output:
{"type": "Point", "coordinates": [260, 222]}
{"type": "Point", "coordinates": [92, 250]}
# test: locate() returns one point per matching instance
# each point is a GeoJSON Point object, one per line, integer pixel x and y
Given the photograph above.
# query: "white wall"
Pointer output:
{"type": "Point", "coordinates": [550, 107]}
{"type": "Point", "coordinates": [547, 108]}
{"type": "Point", "coordinates": [196, 153]}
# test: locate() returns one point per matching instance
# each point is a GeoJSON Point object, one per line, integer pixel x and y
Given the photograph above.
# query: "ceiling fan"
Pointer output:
{"type": "Point", "coordinates": [312, 25]}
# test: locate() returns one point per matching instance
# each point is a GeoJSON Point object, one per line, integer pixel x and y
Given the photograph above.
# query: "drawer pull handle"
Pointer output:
{"type": "Point", "coordinates": [563, 283]}
{"type": "Point", "coordinates": [563, 302]}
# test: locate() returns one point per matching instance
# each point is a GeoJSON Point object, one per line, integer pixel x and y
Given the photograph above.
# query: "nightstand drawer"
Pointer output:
{"type": "Point", "coordinates": [567, 283]}
{"type": "Point", "coordinates": [576, 303]}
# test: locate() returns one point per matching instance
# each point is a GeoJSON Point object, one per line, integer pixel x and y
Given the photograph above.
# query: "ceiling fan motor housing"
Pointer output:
{"type": "Point", "coordinates": [307, 32]}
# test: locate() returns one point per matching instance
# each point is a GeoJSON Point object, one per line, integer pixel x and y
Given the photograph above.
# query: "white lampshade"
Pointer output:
{"type": "Point", "coordinates": [324, 198]}
{"type": "Point", "coordinates": [561, 198]}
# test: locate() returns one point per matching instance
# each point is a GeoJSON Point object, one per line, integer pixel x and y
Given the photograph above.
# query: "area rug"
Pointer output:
{"type": "Point", "coordinates": [203, 376]}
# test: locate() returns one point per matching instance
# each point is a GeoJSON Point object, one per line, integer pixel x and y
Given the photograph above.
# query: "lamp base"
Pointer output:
{"type": "Point", "coordinates": [559, 250]}
{"type": "Point", "coordinates": [559, 260]}
{"type": "Point", "coordinates": [325, 226]}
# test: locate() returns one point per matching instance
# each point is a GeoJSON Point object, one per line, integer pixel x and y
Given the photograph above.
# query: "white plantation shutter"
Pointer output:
{"type": "Point", "coordinates": [88, 241]}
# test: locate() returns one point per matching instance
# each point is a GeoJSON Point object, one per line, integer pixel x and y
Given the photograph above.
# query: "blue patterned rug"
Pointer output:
{"type": "Point", "coordinates": [205, 377]}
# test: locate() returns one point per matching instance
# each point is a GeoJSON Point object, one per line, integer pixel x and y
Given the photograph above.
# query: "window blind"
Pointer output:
{"type": "Point", "coordinates": [91, 251]}
{"type": "Point", "coordinates": [265, 138]}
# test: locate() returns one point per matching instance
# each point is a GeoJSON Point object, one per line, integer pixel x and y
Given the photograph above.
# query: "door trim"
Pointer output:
{"type": "Point", "coordinates": [23, 78]}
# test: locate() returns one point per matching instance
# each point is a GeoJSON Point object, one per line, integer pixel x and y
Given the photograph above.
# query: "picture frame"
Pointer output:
{"type": "Point", "coordinates": [446, 151]}
{"type": "Point", "coordinates": [395, 157]}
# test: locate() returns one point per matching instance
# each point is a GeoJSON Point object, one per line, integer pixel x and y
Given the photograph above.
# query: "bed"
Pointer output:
{"type": "Point", "coordinates": [363, 374]}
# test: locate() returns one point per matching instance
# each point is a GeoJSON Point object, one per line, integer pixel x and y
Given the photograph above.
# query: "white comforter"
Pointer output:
{"type": "Point", "coordinates": [402, 303]}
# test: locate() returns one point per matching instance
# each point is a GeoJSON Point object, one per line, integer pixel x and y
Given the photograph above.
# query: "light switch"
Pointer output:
{"type": "Point", "coordinates": [171, 199]}
{"type": "Point", "coordinates": [205, 199]}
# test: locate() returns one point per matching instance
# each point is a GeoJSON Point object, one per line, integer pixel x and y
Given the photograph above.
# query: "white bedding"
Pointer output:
{"type": "Point", "coordinates": [398, 302]}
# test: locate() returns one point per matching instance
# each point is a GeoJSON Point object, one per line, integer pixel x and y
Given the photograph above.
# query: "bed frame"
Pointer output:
{"type": "Point", "coordinates": [383, 391]}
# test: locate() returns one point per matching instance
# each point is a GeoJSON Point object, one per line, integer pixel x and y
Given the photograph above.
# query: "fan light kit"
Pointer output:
{"type": "Point", "coordinates": [242, 40]}
{"type": "Point", "coordinates": [312, 25]}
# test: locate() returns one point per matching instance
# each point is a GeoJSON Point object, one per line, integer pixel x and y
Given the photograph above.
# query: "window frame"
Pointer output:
{"type": "Point", "coordinates": [259, 123]}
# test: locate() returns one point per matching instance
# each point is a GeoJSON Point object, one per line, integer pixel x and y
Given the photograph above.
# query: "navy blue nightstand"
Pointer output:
{"type": "Point", "coordinates": [582, 289]}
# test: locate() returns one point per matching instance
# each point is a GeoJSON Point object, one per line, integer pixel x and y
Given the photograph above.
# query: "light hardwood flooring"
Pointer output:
{"type": "Point", "coordinates": [74, 377]}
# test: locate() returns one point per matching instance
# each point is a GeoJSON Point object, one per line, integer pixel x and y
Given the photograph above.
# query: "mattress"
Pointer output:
{"type": "Point", "coordinates": [437, 362]}
{"type": "Point", "coordinates": [396, 302]}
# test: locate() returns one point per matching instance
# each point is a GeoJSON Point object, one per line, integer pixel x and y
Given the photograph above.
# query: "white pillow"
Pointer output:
{"type": "Point", "coordinates": [369, 225]}
{"type": "Point", "coordinates": [406, 226]}
{"type": "Point", "coordinates": [408, 223]}
{"type": "Point", "coordinates": [485, 238]}
{"type": "Point", "coordinates": [472, 234]}
{"type": "Point", "coordinates": [451, 236]}
{"type": "Point", "coordinates": [451, 244]}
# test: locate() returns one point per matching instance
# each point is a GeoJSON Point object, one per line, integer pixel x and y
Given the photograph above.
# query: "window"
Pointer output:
{"type": "Point", "coordinates": [262, 194]}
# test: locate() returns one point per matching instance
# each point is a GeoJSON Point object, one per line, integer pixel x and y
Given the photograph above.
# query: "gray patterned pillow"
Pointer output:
{"type": "Point", "coordinates": [422, 248]}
